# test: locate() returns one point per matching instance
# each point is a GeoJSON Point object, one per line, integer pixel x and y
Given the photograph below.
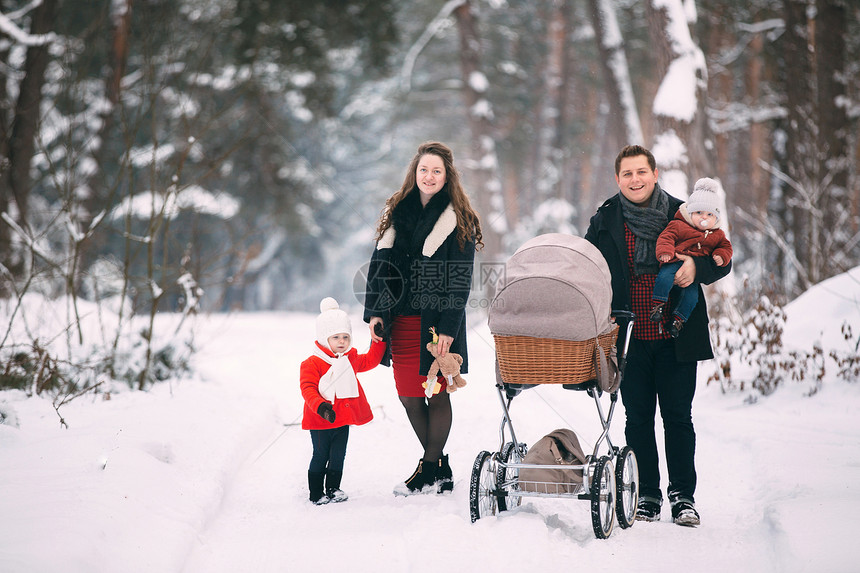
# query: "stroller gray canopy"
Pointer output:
{"type": "Point", "coordinates": [554, 286]}
{"type": "Point", "coordinates": [551, 318]}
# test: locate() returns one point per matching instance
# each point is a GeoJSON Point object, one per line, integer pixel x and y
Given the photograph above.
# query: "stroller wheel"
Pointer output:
{"type": "Point", "coordinates": [626, 486]}
{"type": "Point", "coordinates": [510, 454]}
{"type": "Point", "coordinates": [603, 498]}
{"type": "Point", "coordinates": [482, 497]}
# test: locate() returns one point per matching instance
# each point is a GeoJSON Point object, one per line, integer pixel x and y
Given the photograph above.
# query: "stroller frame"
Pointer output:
{"type": "Point", "coordinates": [611, 488]}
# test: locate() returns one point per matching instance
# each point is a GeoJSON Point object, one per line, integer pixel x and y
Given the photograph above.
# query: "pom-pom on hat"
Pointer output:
{"type": "Point", "coordinates": [332, 320]}
{"type": "Point", "coordinates": [705, 197]}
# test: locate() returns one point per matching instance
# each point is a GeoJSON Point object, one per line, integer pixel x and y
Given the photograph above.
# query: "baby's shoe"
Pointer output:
{"type": "Point", "coordinates": [675, 327]}
{"type": "Point", "coordinates": [657, 312]}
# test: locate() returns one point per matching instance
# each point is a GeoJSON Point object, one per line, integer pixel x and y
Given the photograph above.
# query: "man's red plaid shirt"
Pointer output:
{"type": "Point", "coordinates": [642, 299]}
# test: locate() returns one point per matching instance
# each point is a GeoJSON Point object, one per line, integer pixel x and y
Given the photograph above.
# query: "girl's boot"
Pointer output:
{"type": "Point", "coordinates": [332, 487]}
{"type": "Point", "coordinates": [315, 485]}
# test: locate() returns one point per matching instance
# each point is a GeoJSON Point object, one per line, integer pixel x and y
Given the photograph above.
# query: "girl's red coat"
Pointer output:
{"type": "Point", "coordinates": [348, 411]}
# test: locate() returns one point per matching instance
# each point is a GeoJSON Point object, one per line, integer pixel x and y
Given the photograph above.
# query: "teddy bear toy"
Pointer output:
{"type": "Point", "coordinates": [448, 365]}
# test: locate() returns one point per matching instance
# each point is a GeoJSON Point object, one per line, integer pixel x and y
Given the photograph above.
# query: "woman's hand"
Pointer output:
{"type": "Point", "coordinates": [444, 344]}
{"type": "Point", "coordinates": [373, 335]}
{"type": "Point", "coordinates": [685, 275]}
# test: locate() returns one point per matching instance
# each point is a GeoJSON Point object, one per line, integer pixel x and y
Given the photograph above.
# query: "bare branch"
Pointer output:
{"type": "Point", "coordinates": [762, 224]}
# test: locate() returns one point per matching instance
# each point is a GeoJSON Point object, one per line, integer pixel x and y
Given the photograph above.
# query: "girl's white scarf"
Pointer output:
{"type": "Point", "coordinates": [339, 381]}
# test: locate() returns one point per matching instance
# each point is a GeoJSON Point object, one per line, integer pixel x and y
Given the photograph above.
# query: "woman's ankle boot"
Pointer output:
{"type": "Point", "coordinates": [444, 476]}
{"type": "Point", "coordinates": [421, 480]}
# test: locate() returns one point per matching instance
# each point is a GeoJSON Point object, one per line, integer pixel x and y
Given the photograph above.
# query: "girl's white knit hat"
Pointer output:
{"type": "Point", "coordinates": [332, 320]}
{"type": "Point", "coordinates": [705, 197]}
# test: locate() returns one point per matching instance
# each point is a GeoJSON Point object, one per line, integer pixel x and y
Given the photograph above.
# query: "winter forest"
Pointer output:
{"type": "Point", "coordinates": [234, 155]}
{"type": "Point", "coordinates": [182, 181]}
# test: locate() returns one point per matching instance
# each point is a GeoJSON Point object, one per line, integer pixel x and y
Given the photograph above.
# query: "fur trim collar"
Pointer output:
{"type": "Point", "coordinates": [444, 226]}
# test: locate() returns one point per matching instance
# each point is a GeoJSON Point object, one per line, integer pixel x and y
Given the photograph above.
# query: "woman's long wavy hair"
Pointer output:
{"type": "Point", "coordinates": [468, 223]}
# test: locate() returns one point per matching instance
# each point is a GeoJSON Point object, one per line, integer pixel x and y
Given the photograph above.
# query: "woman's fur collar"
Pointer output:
{"type": "Point", "coordinates": [411, 224]}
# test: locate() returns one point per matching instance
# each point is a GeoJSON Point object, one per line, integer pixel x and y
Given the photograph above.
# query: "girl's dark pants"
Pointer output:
{"type": "Point", "coordinates": [329, 449]}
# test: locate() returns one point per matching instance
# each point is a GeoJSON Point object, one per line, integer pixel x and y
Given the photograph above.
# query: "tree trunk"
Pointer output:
{"type": "Point", "coordinates": [624, 124]}
{"type": "Point", "coordinates": [682, 134]}
{"type": "Point", "coordinates": [486, 188]}
{"type": "Point", "coordinates": [758, 147]}
{"type": "Point", "coordinates": [5, 192]}
{"type": "Point", "coordinates": [834, 127]}
{"type": "Point", "coordinates": [680, 121]}
{"type": "Point", "coordinates": [799, 163]}
{"type": "Point", "coordinates": [558, 85]}
{"type": "Point", "coordinates": [102, 192]}
{"type": "Point", "coordinates": [16, 181]}
{"type": "Point", "coordinates": [26, 122]}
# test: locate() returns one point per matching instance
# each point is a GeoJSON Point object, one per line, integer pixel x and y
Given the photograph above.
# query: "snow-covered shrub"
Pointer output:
{"type": "Point", "coordinates": [8, 415]}
{"type": "Point", "coordinates": [33, 370]}
{"type": "Point", "coordinates": [103, 279]}
{"type": "Point", "coordinates": [848, 363]}
{"type": "Point", "coordinates": [132, 366]}
{"type": "Point", "coordinates": [17, 371]}
{"type": "Point", "coordinates": [754, 354]}
{"type": "Point", "coordinates": [63, 347]}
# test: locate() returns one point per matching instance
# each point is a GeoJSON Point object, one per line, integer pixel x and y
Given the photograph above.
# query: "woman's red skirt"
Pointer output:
{"type": "Point", "coordinates": [406, 356]}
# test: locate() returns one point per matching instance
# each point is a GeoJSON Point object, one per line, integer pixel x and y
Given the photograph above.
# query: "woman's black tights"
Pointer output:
{"type": "Point", "coordinates": [431, 421]}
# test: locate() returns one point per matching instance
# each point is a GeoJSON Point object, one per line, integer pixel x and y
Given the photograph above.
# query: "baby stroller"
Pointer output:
{"type": "Point", "coordinates": [552, 324]}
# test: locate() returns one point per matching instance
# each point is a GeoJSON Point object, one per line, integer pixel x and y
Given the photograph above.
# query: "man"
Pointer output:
{"type": "Point", "coordinates": [660, 369]}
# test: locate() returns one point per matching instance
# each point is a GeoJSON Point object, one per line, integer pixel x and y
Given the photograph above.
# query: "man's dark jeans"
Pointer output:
{"type": "Point", "coordinates": [653, 376]}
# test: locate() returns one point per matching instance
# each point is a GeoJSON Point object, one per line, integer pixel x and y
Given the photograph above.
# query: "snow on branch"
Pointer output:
{"type": "Point", "coordinates": [739, 116]}
{"type": "Point", "coordinates": [29, 241]}
{"type": "Point", "coordinates": [762, 26]}
{"type": "Point", "coordinates": [146, 205]}
{"type": "Point", "coordinates": [11, 29]}
{"type": "Point", "coordinates": [415, 50]}
{"type": "Point", "coordinates": [677, 96]}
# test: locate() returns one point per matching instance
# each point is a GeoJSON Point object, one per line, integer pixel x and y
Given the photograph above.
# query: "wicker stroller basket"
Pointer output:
{"type": "Point", "coordinates": [528, 360]}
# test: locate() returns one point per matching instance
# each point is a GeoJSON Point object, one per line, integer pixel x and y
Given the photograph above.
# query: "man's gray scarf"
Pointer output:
{"type": "Point", "coordinates": [646, 224]}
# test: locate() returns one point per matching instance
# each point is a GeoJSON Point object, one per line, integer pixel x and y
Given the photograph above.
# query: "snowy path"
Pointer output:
{"type": "Point", "coordinates": [180, 480]}
{"type": "Point", "coordinates": [771, 480]}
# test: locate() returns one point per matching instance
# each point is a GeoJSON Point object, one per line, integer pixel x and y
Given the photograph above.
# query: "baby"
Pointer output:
{"type": "Point", "coordinates": [695, 231]}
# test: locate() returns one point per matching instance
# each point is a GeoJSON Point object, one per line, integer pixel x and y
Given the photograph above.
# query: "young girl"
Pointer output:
{"type": "Point", "coordinates": [334, 399]}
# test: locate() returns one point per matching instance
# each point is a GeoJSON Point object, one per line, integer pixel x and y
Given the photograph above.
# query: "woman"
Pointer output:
{"type": "Point", "coordinates": [419, 277]}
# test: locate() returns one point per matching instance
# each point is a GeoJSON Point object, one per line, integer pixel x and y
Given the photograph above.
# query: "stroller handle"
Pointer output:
{"type": "Point", "coordinates": [623, 314]}
{"type": "Point", "coordinates": [631, 318]}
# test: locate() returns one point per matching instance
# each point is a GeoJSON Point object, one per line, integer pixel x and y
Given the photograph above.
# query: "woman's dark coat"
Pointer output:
{"type": "Point", "coordinates": [421, 247]}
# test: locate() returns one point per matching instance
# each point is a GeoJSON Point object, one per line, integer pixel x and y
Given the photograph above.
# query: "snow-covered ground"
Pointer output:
{"type": "Point", "coordinates": [208, 474]}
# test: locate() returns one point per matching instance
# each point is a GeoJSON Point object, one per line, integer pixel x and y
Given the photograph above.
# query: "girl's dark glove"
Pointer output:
{"type": "Point", "coordinates": [326, 411]}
